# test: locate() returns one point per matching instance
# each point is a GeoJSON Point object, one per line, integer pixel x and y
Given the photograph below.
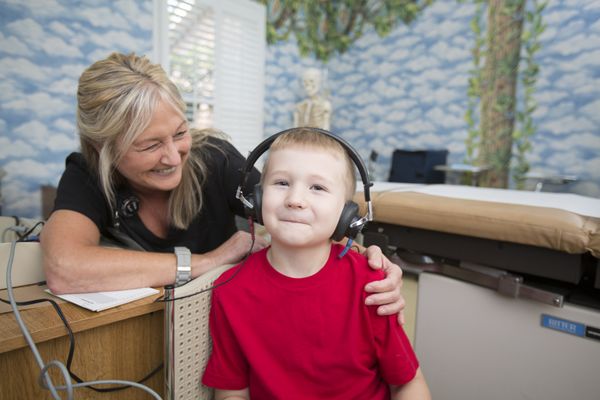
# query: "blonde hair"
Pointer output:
{"type": "Point", "coordinates": [116, 98]}
{"type": "Point", "coordinates": [310, 138]}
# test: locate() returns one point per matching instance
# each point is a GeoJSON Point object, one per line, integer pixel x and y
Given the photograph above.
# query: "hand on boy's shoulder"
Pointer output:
{"type": "Point", "coordinates": [360, 261]}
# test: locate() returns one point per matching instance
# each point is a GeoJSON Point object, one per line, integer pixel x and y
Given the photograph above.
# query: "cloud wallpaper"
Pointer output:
{"type": "Point", "coordinates": [407, 90]}
{"type": "Point", "coordinates": [44, 47]}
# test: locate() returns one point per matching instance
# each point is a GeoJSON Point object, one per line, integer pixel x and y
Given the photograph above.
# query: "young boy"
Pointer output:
{"type": "Point", "coordinates": [290, 324]}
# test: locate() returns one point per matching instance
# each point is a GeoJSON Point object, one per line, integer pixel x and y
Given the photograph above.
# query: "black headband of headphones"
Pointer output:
{"type": "Point", "coordinates": [265, 144]}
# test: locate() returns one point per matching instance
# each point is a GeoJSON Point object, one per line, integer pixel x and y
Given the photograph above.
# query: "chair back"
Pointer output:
{"type": "Point", "coordinates": [187, 338]}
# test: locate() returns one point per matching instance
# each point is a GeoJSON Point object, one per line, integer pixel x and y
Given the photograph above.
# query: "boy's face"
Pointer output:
{"type": "Point", "coordinates": [303, 195]}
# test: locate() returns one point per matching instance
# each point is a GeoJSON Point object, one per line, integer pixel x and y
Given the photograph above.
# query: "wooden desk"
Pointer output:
{"type": "Point", "coordinates": [123, 343]}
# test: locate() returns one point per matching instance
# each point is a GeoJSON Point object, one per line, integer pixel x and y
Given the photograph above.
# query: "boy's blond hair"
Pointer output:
{"type": "Point", "coordinates": [311, 138]}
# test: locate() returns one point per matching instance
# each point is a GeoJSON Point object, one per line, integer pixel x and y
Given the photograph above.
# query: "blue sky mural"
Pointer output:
{"type": "Point", "coordinates": [44, 47]}
{"type": "Point", "coordinates": [407, 90]}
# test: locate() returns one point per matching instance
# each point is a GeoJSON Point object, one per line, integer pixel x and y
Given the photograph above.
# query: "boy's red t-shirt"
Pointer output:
{"type": "Point", "coordinates": [308, 338]}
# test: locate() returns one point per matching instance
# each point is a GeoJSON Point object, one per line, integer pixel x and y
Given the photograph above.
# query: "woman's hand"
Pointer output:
{"type": "Point", "coordinates": [386, 292]}
{"type": "Point", "coordinates": [236, 247]}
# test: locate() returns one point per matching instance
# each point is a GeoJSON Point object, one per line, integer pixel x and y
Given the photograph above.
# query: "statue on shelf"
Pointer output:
{"type": "Point", "coordinates": [315, 111]}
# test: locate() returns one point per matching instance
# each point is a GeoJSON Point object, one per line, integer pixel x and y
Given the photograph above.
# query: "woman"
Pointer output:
{"type": "Point", "coordinates": [146, 180]}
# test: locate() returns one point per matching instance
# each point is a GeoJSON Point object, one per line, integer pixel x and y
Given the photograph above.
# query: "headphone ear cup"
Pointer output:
{"type": "Point", "coordinates": [348, 216]}
{"type": "Point", "coordinates": [257, 202]}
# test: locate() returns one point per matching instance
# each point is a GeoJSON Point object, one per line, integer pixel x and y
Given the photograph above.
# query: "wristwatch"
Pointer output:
{"type": "Point", "coordinates": [184, 265]}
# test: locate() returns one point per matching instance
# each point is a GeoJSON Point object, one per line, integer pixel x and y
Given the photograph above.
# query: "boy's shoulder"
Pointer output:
{"type": "Point", "coordinates": [241, 270]}
{"type": "Point", "coordinates": [360, 264]}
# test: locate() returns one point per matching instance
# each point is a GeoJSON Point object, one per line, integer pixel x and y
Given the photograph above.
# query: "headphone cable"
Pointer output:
{"type": "Point", "coordinates": [162, 299]}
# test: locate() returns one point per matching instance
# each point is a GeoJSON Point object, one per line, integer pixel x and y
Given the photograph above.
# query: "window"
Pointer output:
{"type": "Point", "coordinates": [215, 53]}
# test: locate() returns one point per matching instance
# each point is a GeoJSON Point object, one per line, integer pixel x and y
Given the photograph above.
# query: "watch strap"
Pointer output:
{"type": "Point", "coordinates": [184, 265]}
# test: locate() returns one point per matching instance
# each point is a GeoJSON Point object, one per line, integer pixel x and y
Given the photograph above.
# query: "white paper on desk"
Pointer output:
{"type": "Point", "coordinates": [102, 300]}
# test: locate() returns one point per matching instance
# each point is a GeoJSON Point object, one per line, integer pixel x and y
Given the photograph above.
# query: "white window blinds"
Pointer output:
{"type": "Point", "coordinates": [216, 58]}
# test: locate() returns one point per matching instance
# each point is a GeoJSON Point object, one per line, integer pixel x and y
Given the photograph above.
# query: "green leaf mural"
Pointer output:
{"type": "Point", "coordinates": [323, 28]}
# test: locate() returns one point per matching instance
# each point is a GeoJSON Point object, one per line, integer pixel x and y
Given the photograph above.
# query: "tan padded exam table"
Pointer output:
{"type": "Point", "coordinates": [508, 302]}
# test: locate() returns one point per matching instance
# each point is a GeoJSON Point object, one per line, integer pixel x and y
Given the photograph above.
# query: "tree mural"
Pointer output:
{"type": "Point", "coordinates": [324, 28]}
{"type": "Point", "coordinates": [506, 41]}
{"type": "Point", "coordinates": [501, 141]}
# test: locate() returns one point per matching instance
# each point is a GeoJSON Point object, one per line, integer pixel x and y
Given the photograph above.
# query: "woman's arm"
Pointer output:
{"type": "Point", "coordinates": [232, 394]}
{"type": "Point", "coordinates": [75, 262]}
{"type": "Point", "coordinates": [416, 389]}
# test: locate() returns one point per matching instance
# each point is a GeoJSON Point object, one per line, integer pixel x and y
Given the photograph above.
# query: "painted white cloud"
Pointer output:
{"type": "Point", "coordinates": [54, 46]}
{"type": "Point", "coordinates": [589, 90]}
{"type": "Point", "coordinates": [458, 80]}
{"type": "Point", "coordinates": [28, 168]}
{"type": "Point", "coordinates": [418, 126]}
{"type": "Point", "coordinates": [35, 132]}
{"type": "Point", "coordinates": [421, 63]}
{"type": "Point", "coordinates": [39, 104]}
{"type": "Point", "coordinates": [550, 96]}
{"type": "Point", "coordinates": [64, 86]}
{"type": "Point", "coordinates": [36, 37]}
{"type": "Point", "coordinates": [570, 162]}
{"type": "Point", "coordinates": [15, 149]}
{"type": "Point", "coordinates": [19, 201]}
{"type": "Point", "coordinates": [61, 29]}
{"type": "Point", "coordinates": [567, 125]}
{"type": "Point", "coordinates": [587, 140]}
{"type": "Point", "coordinates": [449, 53]}
{"type": "Point", "coordinates": [447, 28]}
{"type": "Point", "coordinates": [592, 5]}
{"type": "Point", "coordinates": [102, 17]}
{"type": "Point", "coordinates": [65, 125]}
{"type": "Point", "coordinates": [396, 115]}
{"type": "Point", "coordinates": [557, 18]}
{"type": "Point", "coordinates": [388, 90]}
{"type": "Point", "coordinates": [132, 13]}
{"type": "Point", "coordinates": [72, 71]}
{"type": "Point", "coordinates": [23, 69]}
{"type": "Point", "coordinates": [592, 111]}
{"type": "Point", "coordinates": [28, 30]}
{"type": "Point", "coordinates": [114, 40]}
{"type": "Point", "coordinates": [426, 140]}
{"type": "Point", "coordinates": [434, 75]}
{"type": "Point", "coordinates": [573, 45]}
{"type": "Point", "coordinates": [366, 98]}
{"type": "Point", "coordinates": [40, 8]}
{"type": "Point", "coordinates": [14, 46]}
{"type": "Point", "coordinates": [443, 118]}
{"type": "Point", "coordinates": [7, 89]}
{"type": "Point", "coordinates": [61, 142]}
{"type": "Point", "coordinates": [443, 95]}
{"type": "Point", "coordinates": [399, 56]}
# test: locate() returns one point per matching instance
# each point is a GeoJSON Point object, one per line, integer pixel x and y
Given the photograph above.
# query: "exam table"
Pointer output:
{"type": "Point", "coordinates": [508, 303]}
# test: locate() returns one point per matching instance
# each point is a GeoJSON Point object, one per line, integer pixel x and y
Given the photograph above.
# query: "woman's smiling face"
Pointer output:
{"type": "Point", "coordinates": [154, 162]}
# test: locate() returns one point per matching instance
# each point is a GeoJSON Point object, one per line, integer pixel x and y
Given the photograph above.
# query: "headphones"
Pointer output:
{"type": "Point", "coordinates": [350, 223]}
